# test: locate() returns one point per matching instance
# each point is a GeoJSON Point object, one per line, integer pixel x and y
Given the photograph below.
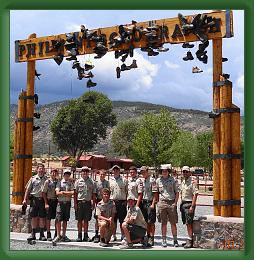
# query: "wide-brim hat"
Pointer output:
{"type": "Point", "coordinates": [115, 167]}
{"type": "Point", "coordinates": [85, 169]}
{"type": "Point", "coordinates": [186, 168]}
{"type": "Point", "coordinates": [166, 166]}
{"type": "Point", "coordinates": [67, 171]}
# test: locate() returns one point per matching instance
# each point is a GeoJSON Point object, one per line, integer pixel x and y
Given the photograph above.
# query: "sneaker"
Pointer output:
{"type": "Point", "coordinates": [176, 243]}
{"type": "Point", "coordinates": [65, 239]}
{"type": "Point", "coordinates": [96, 239]}
{"type": "Point", "coordinates": [164, 243]}
{"type": "Point", "coordinates": [196, 70]}
{"type": "Point", "coordinates": [103, 244]}
{"type": "Point", "coordinates": [188, 56]}
{"type": "Point", "coordinates": [42, 238]}
{"type": "Point", "coordinates": [126, 246]}
{"type": "Point", "coordinates": [56, 240]}
{"type": "Point", "coordinates": [113, 239]}
{"type": "Point", "coordinates": [189, 244]}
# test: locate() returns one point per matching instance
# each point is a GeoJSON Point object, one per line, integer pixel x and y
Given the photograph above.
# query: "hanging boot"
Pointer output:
{"type": "Point", "coordinates": [124, 57]}
{"type": "Point", "coordinates": [162, 49]}
{"type": "Point", "coordinates": [37, 74]}
{"type": "Point", "coordinates": [151, 52]}
{"type": "Point", "coordinates": [88, 66]}
{"type": "Point", "coordinates": [42, 237]}
{"type": "Point", "coordinates": [196, 70]}
{"type": "Point", "coordinates": [188, 56]}
{"type": "Point", "coordinates": [118, 72]}
{"type": "Point", "coordinates": [76, 65]}
{"type": "Point", "coordinates": [58, 59]}
{"type": "Point", "coordinates": [71, 58]}
{"type": "Point", "coordinates": [224, 59]}
{"type": "Point", "coordinates": [90, 84]}
{"type": "Point", "coordinates": [133, 65]}
{"type": "Point", "coordinates": [37, 115]}
{"type": "Point", "coordinates": [124, 67]}
{"type": "Point", "coordinates": [226, 76]}
{"type": "Point", "coordinates": [36, 99]}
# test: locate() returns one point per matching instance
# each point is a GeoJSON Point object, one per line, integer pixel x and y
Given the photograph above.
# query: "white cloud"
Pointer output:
{"type": "Point", "coordinates": [171, 65]}
{"type": "Point", "coordinates": [73, 27]}
{"type": "Point", "coordinates": [240, 82]}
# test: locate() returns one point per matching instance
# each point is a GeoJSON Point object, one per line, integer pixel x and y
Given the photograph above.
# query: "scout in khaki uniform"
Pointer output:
{"type": "Point", "coordinates": [189, 194]}
{"type": "Point", "coordinates": [118, 188]}
{"type": "Point", "coordinates": [134, 225]}
{"type": "Point", "coordinates": [64, 192]}
{"type": "Point", "coordinates": [49, 195]}
{"type": "Point", "coordinates": [84, 202]}
{"type": "Point", "coordinates": [148, 208]}
{"type": "Point", "coordinates": [105, 212]}
{"type": "Point", "coordinates": [168, 197]}
{"type": "Point", "coordinates": [135, 186]}
{"type": "Point", "coordinates": [37, 210]}
{"type": "Point", "coordinates": [101, 184]}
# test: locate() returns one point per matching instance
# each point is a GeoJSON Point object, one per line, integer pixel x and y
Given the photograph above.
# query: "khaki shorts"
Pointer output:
{"type": "Point", "coordinates": [167, 212]}
{"type": "Point", "coordinates": [108, 231]}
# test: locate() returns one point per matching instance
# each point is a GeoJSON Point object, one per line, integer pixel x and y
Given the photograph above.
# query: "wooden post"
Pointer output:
{"type": "Point", "coordinates": [217, 71]}
{"type": "Point", "coordinates": [29, 114]}
{"type": "Point", "coordinates": [225, 148]}
{"type": "Point", "coordinates": [236, 163]}
{"type": "Point", "coordinates": [19, 149]}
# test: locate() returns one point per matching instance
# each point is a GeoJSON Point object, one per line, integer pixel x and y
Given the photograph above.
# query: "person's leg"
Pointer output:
{"type": "Point", "coordinates": [190, 230]}
{"type": "Point", "coordinates": [164, 230]}
{"type": "Point", "coordinates": [79, 226]}
{"type": "Point", "coordinates": [126, 232]}
{"type": "Point", "coordinates": [58, 228]}
{"type": "Point", "coordinates": [64, 228]}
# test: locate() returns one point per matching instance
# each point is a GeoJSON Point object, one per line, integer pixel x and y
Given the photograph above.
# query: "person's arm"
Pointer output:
{"type": "Point", "coordinates": [155, 199]}
{"type": "Point", "coordinates": [194, 198]}
{"type": "Point", "coordinates": [176, 199]}
{"type": "Point", "coordinates": [140, 192]}
{"type": "Point", "coordinates": [140, 197]}
{"type": "Point", "coordinates": [44, 194]}
{"type": "Point", "coordinates": [27, 192]}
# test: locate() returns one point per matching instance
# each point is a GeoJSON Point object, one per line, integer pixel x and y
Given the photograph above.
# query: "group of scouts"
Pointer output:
{"type": "Point", "coordinates": [133, 202]}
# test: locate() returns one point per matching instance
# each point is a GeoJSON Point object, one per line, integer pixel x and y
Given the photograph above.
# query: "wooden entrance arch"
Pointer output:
{"type": "Point", "coordinates": [226, 116]}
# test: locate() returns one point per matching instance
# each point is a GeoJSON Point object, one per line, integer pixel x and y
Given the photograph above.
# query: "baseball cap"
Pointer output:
{"type": "Point", "coordinates": [85, 168]}
{"type": "Point", "coordinates": [166, 166]}
{"type": "Point", "coordinates": [186, 168]}
{"type": "Point", "coordinates": [67, 171]}
{"type": "Point", "coordinates": [144, 168]}
{"type": "Point", "coordinates": [115, 166]}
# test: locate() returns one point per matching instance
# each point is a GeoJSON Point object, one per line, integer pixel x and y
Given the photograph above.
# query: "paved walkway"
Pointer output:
{"type": "Point", "coordinates": [72, 234]}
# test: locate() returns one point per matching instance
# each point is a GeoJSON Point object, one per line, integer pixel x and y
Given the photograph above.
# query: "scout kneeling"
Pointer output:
{"type": "Point", "coordinates": [64, 192]}
{"type": "Point", "coordinates": [105, 212]}
{"type": "Point", "coordinates": [134, 225]}
{"type": "Point", "coordinates": [189, 194]}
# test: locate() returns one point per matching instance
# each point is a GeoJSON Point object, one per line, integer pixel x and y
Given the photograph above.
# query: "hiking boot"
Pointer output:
{"type": "Point", "coordinates": [182, 19]}
{"type": "Point", "coordinates": [31, 237]}
{"type": "Point", "coordinates": [96, 239]}
{"type": "Point", "coordinates": [42, 238]}
{"type": "Point", "coordinates": [124, 57]}
{"type": "Point", "coordinates": [69, 37]}
{"type": "Point", "coordinates": [118, 72]}
{"type": "Point", "coordinates": [90, 84]}
{"type": "Point", "coordinates": [124, 67]}
{"type": "Point", "coordinates": [224, 59]}
{"type": "Point", "coordinates": [126, 246]}
{"type": "Point", "coordinates": [144, 242]}
{"type": "Point", "coordinates": [189, 244]}
{"type": "Point", "coordinates": [88, 66]}
{"type": "Point", "coordinates": [71, 58]}
{"type": "Point", "coordinates": [151, 52]}
{"type": "Point", "coordinates": [65, 239]}
{"type": "Point", "coordinates": [133, 65]}
{"type": "Point", "coordinates": [35, 128]}
{"type": "Point", "coordinates": [188, 56]}
{"type": "Point", "coordinates": [203, 46]}
{"type": "Point", "coordinates": [187, 45]}
{"type": "Point", "coordinates": [58, 59]}
{"type": "Point", "coordinates": [176, 243]}
{"type": "Point", "coordinates": [79, 239]}
{"type": "Point", "coordinates": [76, 65]}
{"type": "Point", "coordinates": [87, 238]}
{"type": "Point", "coordinates": [196, 70]}
{"type": "Point", "coordinates": [49, 236]}
{"type": "Point", "coordinates": [164, 243]}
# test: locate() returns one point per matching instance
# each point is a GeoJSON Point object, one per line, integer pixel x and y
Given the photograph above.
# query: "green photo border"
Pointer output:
{"type": "Point", "coordinates": [6, 6]}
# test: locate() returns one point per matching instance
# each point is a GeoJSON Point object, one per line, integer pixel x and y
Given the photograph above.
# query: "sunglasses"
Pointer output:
{"type": "Point", "coordinates": [185, 171]}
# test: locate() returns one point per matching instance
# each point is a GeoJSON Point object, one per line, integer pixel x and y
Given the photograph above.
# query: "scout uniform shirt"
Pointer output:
{"type": "Point", "coordinates": [85, 188]}
{"type": "Point", "coordinates": [64, 185]}
{"type": "Point", "coordinates": [118, 188]}
{"type": "Point", "coordinates": [149, 187]}
{"type": "Point", "coordinates": [135, 212]}
{"type": "Point", "coordinates": [167, 188]}
{"type": "Point", "coordinates": [188, 189]}
{"type": "Point", "coordinates": [135, 186]}
{"type": "Point", "coordinates": [50, 188]}
{"type": "Point", "coordinates": [100, 185]}
{"type": "Point", "coordinates": [35, 185]}
{"type": "Point", "coordinates": [105, 209]}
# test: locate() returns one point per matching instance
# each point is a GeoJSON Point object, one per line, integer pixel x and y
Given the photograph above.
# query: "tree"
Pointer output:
{"type": "Point", "coordinates": [123, 135]}
{"type": "Point", "coordinates": [154, 138]}
{"type": "Point", "coordinates": [183, 150]}
{"type": "Point", "coordinates": [78, 126]}
{"type": "Point", "coordinates": [204, 150]}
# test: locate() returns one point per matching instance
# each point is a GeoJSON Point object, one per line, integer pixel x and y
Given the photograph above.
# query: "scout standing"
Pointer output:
{"type": "Point", "coordinates": [168, 191]}
{"type": "Point", "coordinates": [50, 199]}
{"type": "Point", "coordinates": [101, 184]}
{"type": "Point", "coordinates": [135, 186]}
{"type": "Point", "coordinates": [37, 206]}
{"type": "Point", "coordinates": [84, 201]}
{"type": "Point", "coordinates": [134, 225]}
{"type": "Point", "coordinates": [148, 208]}
{"type": "Point", "coordinates": [105, 212]}
{"type": "Point", "coordinates": [64, 192]}
{"type": "Point", "coordinates": [189, 194]}
{"type": "Point", "coordinates": [118, 188]}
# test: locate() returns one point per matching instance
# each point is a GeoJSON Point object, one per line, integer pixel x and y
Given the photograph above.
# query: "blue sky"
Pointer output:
{"type": "Point", "coordinates": [165, 79]}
